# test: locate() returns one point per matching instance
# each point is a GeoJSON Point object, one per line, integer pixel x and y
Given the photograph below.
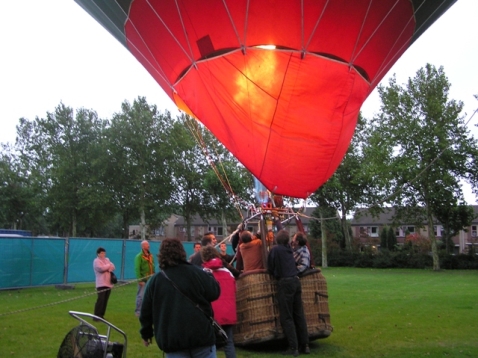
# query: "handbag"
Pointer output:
{"type": "Point", "coordinates": [221, 335]}
{"type": "Point", "coordinates": [113, 278]}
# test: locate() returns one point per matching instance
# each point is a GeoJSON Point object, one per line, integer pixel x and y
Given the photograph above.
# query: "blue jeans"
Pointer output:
{"type": "Point", "coordinates": [229, 349]}
{"type": "Point", "coordinates": [139, 299]}
{"type": "Point", "coordinates": [200, 352]}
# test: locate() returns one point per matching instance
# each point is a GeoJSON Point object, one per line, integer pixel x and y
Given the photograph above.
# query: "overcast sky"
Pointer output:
{"type": "Point", "coordinates": [54, 51]}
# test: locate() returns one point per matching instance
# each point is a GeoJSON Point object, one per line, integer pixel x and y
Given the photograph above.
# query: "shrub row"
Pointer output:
{"type": "Point", "coordinates": [398, 259]}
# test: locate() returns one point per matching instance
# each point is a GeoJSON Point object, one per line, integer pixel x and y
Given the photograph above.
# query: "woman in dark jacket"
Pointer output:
{"type": "Point", "coordinates": [180, 328]}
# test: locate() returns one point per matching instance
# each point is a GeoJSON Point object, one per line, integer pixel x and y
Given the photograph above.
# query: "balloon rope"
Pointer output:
{"type": "Point", "coordinates": [193, 126]}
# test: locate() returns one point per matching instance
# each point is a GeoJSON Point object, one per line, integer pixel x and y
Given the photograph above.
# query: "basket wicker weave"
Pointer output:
{"type": "Point", "coordinates": [258, 314]}
{"type": "Point", "coordinates": [316, 304]}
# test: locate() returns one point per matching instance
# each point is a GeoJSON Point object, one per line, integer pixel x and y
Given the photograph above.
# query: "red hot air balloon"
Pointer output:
{"type": "Point", "coordinates": [279, 83]}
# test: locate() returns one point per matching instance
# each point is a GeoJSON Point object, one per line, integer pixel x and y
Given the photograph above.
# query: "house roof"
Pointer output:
{"type": "Point", "coordinates": [198, 221]}
{"type": "Point", "coordinates": [363, 217]}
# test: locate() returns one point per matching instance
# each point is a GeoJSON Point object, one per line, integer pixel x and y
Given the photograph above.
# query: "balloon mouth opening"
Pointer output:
{"type": "Point", "coordinates": [266, 47]}
{"type": "Point", "coordinates": [226, 51]}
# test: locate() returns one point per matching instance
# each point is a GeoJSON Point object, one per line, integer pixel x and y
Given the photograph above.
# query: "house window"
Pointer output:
{"type": "Point", "coordinates": [399, 232]}
{"type": "Point", "coordinates": [410, 229]}
{"type": "Point", "coordinates": [159, 231]}
{"type": "Point", "coordinates": [373, 231]}
{"type": "Point", "coordinates": [473, 230]}
{"type": "Point", "coordinates": [217, 230]}
{"type": "Point", "coordinates": [437, 230]}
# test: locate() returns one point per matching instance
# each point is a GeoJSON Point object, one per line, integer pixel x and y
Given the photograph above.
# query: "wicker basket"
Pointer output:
{"type": "Point", "coordinates": [316, 304]}
{"type": "Point", "coordinates": [258, 314]}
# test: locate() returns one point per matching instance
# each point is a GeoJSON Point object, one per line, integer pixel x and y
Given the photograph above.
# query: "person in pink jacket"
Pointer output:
{"type": "Point", "coordinates": [102, 267]}
{"type": "Point", "coordinates": [225, 306]}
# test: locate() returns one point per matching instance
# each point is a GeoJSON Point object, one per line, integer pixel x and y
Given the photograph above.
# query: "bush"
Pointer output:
{"type": "Point", "coordinates": [341, 258]}
{"type": "Point", "coordinates": [364, 259]}
{"type": "Point", "coordinates": [420, 261]}
{"type": "Point", "coordinates": [458, 262]}
{"type": "Point", "coordinates": [401, 258]}
{"type": "Point", "coordinates": [384, 260]}
{"type": "Point", "coordinates": [417, 243]}
{"type": "Point", "coordinates": [398, 259]}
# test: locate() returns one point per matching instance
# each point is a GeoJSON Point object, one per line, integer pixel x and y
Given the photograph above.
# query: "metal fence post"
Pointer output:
{"type": "Point", "coordinates": [123, 259]}
{"type": "Point", "coordinates": [65, 269]}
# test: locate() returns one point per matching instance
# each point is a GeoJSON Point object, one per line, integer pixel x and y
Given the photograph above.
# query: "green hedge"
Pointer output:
{"type": "Point", "coordinates": [397, 259]}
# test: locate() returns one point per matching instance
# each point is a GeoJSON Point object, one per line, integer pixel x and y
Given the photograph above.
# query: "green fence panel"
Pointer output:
{"type": "Point", "coordinates": [27, 261]}
{"type": "Point", "coordinates": [82, 252]}
{"type": "Point", "coordinates": [15, 262]}
{"type": "Point", "coordinates": [48, 261]}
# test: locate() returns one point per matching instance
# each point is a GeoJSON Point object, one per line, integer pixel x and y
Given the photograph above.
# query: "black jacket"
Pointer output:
{"type": "Point", "coordinates": [281, 263]}
{"type": "Point", "coordinates": [173, 320]}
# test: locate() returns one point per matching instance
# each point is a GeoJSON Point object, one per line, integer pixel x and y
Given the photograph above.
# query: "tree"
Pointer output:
{"type": "Point", "coordinates": [227, 184]}
{"type": "Point", "coordinates": [453, 217]}
{"type": "Point", "coordinates": [18, 198]}
{"type": "Point", "coordinates": [392, 238]}
{"type": "Point", "coordinates": [59, 153]}
{"type": "Point", "coordinates": [351, 184]}
{"type": "Point", "coordinates": [329, 228]}
{"type": "Point", "coordinates": [428, 147]}
{"type": "Point", "coordinates": [384, 238]}
{"type": "Point", "coordinates": [138, 164]}
{"type": "Point", "coordinates": [189, 170]}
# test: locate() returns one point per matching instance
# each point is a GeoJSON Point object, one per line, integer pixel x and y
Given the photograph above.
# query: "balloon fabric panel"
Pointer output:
{"type": "Point", "coordinates": [288, 111]}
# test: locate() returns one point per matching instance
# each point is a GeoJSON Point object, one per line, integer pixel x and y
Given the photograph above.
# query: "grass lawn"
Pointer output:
{"type": "Point", "coordinates": [375, 313]}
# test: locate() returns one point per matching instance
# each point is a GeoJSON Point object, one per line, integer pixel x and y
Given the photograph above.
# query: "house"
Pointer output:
{"type": "Point", "coordinates": [199, 227]}
{"type": "Point", "coordinates": [364, 227]}
{"type": "Point", "coordinates": [166, 230]}
{"type": "Point", "coordinates": [367, 229]}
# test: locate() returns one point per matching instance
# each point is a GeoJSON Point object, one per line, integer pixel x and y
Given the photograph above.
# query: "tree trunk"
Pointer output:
{"type": "Point", "coordinates": [125, 225]}
{"type": "Point", "coordinates": [324, 240]}
{"type": "Point", "coordinates": [188, 227]}
{"type": "Point", "coordinates": [348, 240]}
{"type": "Point", "coordinates": [431, 235]}
{"type": "Point", "coordinates": [224, 225]}
{"type": "Point", "coordinates": [143, 225]}
{"type": "Point", "coordinates": [73, 224]}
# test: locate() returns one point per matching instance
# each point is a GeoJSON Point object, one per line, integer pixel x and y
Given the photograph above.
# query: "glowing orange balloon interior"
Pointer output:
{"type": "Point", "coordinates": [279, 83]}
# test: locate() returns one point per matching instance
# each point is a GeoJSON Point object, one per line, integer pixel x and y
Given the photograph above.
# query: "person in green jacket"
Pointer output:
{"type": "Point", "coordinates": [167, 314]}
{"type": "Point", "coordinates": [144, 268]}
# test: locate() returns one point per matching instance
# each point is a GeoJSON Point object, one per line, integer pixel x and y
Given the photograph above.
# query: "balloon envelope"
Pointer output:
{"type": "Point", "coordinates": [279, 83]}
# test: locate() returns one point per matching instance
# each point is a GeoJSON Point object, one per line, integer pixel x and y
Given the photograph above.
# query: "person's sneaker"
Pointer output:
{"type": "Point", "coordinates": [291, 352]}
{"type": "Point", "coordinates": [305, 349]}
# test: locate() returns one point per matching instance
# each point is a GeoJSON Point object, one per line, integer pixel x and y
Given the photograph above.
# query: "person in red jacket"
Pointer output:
{"type": "Point", "coordinates": [225, 306]}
